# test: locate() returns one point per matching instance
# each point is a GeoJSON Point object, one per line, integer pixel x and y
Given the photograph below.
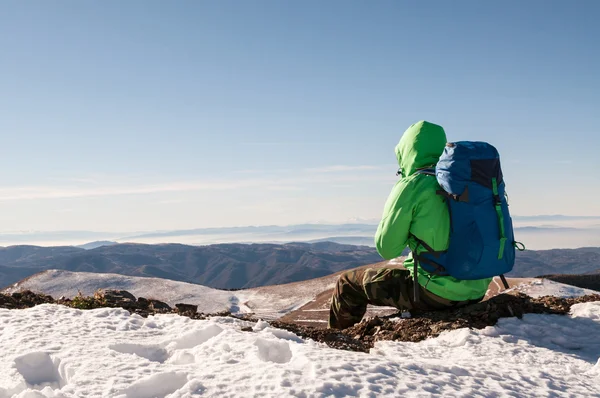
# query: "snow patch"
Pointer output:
{"type": "Point", "coordinates": [284, 334]}
{"type": "Point", "coordinates": [197, 337]}
{"type": "Point", "coordinates": [182, 358]}
{"type": "Point", "coordinates": [586, 310]}
{"type": "Point", "coordinates": [46, 392]}
{"type": "Point", "coordinates": [260, 325]}
{"type": "Point", "coordinates": [594, 370]}
{"type": "Point", "coordinates": [546, 287]}
{"type": "Point", "coordinates": [156, 386]}
{"type": "Point", "coordinates": [273, 350]}
{"type": "Point", "coordinates": [152, 353]}
{"type": "Point", "coordinates": [39, 370]}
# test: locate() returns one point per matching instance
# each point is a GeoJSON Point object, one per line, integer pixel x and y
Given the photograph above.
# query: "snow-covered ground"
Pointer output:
{"type": "Point", "coordinates": [55, 351]}
{"type": "Point", "coordinates": [58, 283]}
{"type": "Point", "coordinates": [268, 302]}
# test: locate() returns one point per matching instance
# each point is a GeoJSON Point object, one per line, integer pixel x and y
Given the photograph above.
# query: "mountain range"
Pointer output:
{"type": "Point", "coordinates": [229, 266]}
{"type": "Point", "coordinates": [237, 266]}
{"type": "Point", "coordinates": [531, 263]}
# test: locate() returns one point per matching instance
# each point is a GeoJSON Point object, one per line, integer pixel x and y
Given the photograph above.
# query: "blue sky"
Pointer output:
{"type": "Point", "coordinates": [144, 115]}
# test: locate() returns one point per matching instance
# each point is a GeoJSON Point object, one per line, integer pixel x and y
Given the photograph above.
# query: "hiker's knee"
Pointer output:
{"type": "Point", "coordinates": [387, 287]}
{"type": "Point", "coordinates": [349, 280]}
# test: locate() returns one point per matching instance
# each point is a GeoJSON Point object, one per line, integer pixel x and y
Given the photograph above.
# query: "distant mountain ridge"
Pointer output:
{"type": "Point", "coordinates": [537, 232]}
{"type": "Point", "coordinates": [532, 263]}
{"type": "Point", "coordinates": [97, 244]}
{"type": "Point", "coordinates": [220, 266]}
{"type": "Point", "coordinates": [197, 236]}
{"type": "Point", "coordinates": [553, 217]}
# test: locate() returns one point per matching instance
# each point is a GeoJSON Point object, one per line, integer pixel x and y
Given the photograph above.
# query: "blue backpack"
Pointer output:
{"type": "Point", "coordinates": [482, 243]}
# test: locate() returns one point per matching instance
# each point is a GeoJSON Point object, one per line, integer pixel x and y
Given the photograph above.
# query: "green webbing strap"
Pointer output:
{"type": "Point", "coordinates": [519, 246]}
{"type": "Point", "coordinates": [498, 205]}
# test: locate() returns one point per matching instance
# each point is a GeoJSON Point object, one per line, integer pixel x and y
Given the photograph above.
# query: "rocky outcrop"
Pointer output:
{"type": "Point", "coordinates": [186, 309]}
{"type": "Point", "coordinates": [24, 299]}
{"type": "Point", "coordinates": [102, 298]}
{"type": "Point", "coordinates": [422, 325]}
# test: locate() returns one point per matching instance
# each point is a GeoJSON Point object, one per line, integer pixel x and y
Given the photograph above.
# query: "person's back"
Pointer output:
{"type": "Point", "coordinates": [413, 212]}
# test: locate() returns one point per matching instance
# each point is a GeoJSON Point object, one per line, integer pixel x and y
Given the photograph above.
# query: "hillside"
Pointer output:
{"type": "Point", "coordinates": [231, 266]}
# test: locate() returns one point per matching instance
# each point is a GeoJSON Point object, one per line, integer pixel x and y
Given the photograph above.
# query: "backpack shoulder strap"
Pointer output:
{"type": "Point", "coordinates": [428, 171]}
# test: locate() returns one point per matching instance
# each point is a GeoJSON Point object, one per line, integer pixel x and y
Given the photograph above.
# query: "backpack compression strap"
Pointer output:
{"type": "Point", "coordinates": [419, 259]}
{"type": "Point", "coordinates": [498, 206]}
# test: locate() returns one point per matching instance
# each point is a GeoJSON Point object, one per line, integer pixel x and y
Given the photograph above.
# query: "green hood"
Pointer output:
{"type": "Point", "coordinates": [421, 146]}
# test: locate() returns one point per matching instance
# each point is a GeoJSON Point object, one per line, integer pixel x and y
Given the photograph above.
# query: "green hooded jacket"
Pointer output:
{"type": "Point", "coordinates": [414, 209]}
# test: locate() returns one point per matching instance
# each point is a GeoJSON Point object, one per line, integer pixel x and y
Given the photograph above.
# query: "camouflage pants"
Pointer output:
{"type": "Point", "coordinates": [391, 287]}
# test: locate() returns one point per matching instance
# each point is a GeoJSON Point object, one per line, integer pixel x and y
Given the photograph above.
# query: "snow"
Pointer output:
{"type": "Point", "coordinates": [272, 302]}
{"type": "Point", "coordinates": [546, 287]}
{"type": "Point", "coordinates": [268, 302]}
{"type": "Point", "coordinates": [58, 283]}
{"type": "Point", "coordinates": [60, 352]}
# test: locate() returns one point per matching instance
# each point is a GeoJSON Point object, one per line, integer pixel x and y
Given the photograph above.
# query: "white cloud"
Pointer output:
{"type": "Point", "coordinates": [107, 186]}
{"type": "Point", "coordinates": [171, 202]}
{"type": "Point", "coordinates": [318, 170]}
{"type": "Point", "coordinates": [343, 168]}
{"type": "Point", "coordinates": [60, 192]}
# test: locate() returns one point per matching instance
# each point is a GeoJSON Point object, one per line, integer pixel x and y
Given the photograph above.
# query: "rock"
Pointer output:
{"type": "Point", "coordinates": [143, 302]}
{"type": "Point", "coordinates": [119, 294]}
{"type": "Point", "coordinates": [24, 299]}
{"type": "Point", "coordinates": [159, 306]}
{"type": "Point", "coordinates": [186, 309]}
{"type": "Point", "coordinates": [116, 298]}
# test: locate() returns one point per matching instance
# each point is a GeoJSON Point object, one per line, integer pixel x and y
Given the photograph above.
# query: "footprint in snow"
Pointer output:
{"type": "Point", "coordinates": [157, 353]}
{"type": "Point", "coordinates": [152, 353]}
{"type": "Point", "coordinates": [197, 337]}
{"type": "Point", "coordinates": [277, 351]}
{"type": "Point", "coordinates": [40, 370]}
{"type": "Point", "coordinates": [156, 386]}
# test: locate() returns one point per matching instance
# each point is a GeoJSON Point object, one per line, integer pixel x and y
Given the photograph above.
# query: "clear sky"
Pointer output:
{"type": "Point", "coordinates": [143, 115]}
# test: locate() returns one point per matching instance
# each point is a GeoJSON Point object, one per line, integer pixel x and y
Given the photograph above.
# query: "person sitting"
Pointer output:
{"type": "Point", "coordinates": [413, 209]}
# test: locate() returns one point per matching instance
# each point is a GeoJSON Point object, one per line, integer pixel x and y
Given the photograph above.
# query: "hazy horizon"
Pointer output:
{"type": "Point", "coordinates": [537, 232]}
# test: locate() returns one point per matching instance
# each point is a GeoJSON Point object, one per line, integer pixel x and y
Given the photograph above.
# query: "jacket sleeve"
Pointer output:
{"type": "Point", "coordinates": [393, 231]}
